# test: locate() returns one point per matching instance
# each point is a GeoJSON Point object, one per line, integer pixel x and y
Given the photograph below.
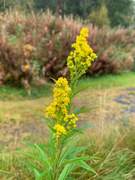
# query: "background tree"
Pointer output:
{"type": "Point", "coordinates": [59, 7]}
{"type": "Point", "coordinates": [120, 12]}
{"type": "Point", "coordinates": [99, 17]}
{"type": "Point", "coordinates": [45, 4]}
{"type": "Point", "coordinates": [4, 4]}
{"type": "Point", "coordinates": [24, 4]}
{"type": "Point", "coordinates": [80, 8]}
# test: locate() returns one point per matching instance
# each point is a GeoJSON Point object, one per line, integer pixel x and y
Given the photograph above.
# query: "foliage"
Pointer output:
{"type": "Point", "coordinates": [23, 4]}
{"type": "Point", "coordinates": [117, 52]}
{"type": "Point", "coordinates": [121, 12]}
{"type": "Point", "coordinates": [99, 17]}
{"type": "Point", "coordinates": [114, 160]}
{"type": "Point", "coordinates": [24, 38]}
{"type": "Point", "coordinates": [45, 4]}
{"type": "Point", "coordinates": [23, 46]}
{"type": "Point", "coordinates": [115, 152]}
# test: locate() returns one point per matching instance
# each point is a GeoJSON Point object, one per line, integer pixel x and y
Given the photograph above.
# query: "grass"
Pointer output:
{"type": "Point", "coordinates": [18, 93]}
{"type": "Point", "coordinates": [16, 105]}
{"type": "Point", "coordinates": [113, 158]}
{"type": "Point", "coordinates": [17, 98]}
{"type": "Point", "coordinates": [110, 156]}
{"type": "Point", "coordinates": [112, 146]}
{"type": "Point", "coordinates": [99, 82]}
{"type": "Point", "coordinates": [108, 81]}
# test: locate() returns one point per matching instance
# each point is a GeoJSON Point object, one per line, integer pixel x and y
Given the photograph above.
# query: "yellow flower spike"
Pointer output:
{"type": "Point", "coordinates": [84, 32]}
{"type": "Point", "coordinates": [78, 61]}
{"type": "Point", "coordinates": [81, 57]}
{"type": "Point", "coordinates": [50, 111]}
{"type": "Point", "coordinates": [61, 99]}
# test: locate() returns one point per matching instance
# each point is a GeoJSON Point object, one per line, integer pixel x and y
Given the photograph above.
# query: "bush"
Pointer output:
{"type": "Point", "coordinates": [115, 49]}
{"type": "Point", "coordinates": [36, 46]}
{"type": "Point", "coordinates": [49, 38]}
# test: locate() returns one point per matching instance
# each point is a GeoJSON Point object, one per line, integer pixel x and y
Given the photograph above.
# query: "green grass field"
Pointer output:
{"type": "Point", "coordinates": [109, 81]}
{"type": "Point", "coordinates": [101, 82]}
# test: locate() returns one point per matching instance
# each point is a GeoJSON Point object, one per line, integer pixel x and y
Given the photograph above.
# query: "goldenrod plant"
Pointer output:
{"type": "Point", "coordinates": [61, 155]}
{"type": "Point", "coordinates": [80, 59]}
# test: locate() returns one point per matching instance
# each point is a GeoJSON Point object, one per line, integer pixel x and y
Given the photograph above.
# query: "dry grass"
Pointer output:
{"type": "Point", "coordinates": [17, 111]}
{"type": "Point", "coordinates": [110, 139]}
{"type": "Point", "coordinates": [22, 119]}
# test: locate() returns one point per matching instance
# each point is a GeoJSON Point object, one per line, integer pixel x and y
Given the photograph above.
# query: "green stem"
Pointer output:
{"type": "Point", "coordinates": [58, 154]}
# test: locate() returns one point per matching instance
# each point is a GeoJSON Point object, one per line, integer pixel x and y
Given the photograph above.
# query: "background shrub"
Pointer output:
{"type": "Point", "coordinates": [35, 46]}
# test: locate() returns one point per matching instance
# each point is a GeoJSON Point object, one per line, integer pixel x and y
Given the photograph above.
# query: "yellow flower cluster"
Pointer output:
{"type": "Point", "coordinates": [58, 110]}
{"type": "Point", "coordinates": [61, 99]}
{"type": "Point", "coordinates": [60, 130]}
{"type": "Point", "coordinates": [80, 59]}
{"type": "Point", "coordinates": [71, 120]}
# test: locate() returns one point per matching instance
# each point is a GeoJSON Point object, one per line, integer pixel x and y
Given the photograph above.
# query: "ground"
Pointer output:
{"type": "Point", "coordinates": [110, 99]}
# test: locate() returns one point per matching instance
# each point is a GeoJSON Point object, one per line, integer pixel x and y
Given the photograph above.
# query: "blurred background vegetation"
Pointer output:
{"type": "Point", "coordinates": [27, 28]}
{"type": "Point", "coordinates": [115, 13]}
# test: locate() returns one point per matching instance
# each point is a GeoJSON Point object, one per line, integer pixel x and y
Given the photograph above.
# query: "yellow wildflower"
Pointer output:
{"type": "Point", "coordinates": [61, 99]}
{"type": "Point", "coordinates": [51, 110]}
{"type": "Point", "coordinates": [71, 120]}
{"type": "Point", "coordinates": [60, 130]}
{"type": "Point", "coordinates": [81, 57]}
{"type": "Point", "coordinates": [78, 61]}
{"type": "Point", "coordinates": [84, 32]}
{"type": "Point", "coordinates": [58, 109]}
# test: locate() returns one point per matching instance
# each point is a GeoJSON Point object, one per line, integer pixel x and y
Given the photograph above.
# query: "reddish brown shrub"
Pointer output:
{"type": "Point", "coordinates": [36, 46]}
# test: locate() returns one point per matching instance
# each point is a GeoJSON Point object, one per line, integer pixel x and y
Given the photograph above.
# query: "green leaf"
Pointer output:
{"type": "Point", "coordinates": [38, 176]}
{"type": "Point", "coordinates": [77, 159]}
{"type": "Point", "coordinates": [66, 171]}
{"type": "Point", "coordinates": [43, 156]}
{"type": "Point", "coordinates": [12, 39]}
{"type": "Point", "coordinates": [70, 153]}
